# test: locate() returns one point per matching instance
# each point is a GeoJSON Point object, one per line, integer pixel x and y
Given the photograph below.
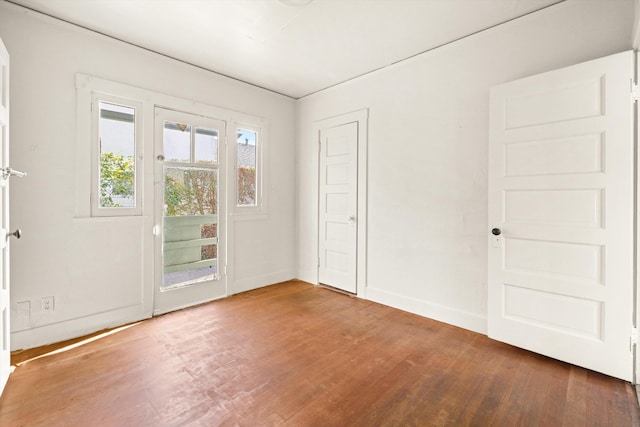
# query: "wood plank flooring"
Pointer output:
{"type": "Point", "coordinates": [297, 355]}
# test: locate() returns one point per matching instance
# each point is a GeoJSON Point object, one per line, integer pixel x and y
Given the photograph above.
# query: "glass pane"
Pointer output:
{"type": "Point", "coordinates": [246, 166]}
{"type": "Point", "coordinates": [177, 142]}
{"type": "Point", "coordinates": [117, 156]}
{"type": "Point", "coordinates": [190, 226]}
{"type": "Point", "coordinates": [206, 145]}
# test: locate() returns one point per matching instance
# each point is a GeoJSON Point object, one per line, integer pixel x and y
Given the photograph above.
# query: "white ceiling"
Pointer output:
{"type": "Point", "coordinates": [292, 50]}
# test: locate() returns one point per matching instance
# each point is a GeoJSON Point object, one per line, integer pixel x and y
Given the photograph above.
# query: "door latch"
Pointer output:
{"type": "Point", "coordinates": [7, 172]}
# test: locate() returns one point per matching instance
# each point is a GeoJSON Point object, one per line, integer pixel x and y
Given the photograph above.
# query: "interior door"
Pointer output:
{"type": "Point", "coordinates": [5, 331]}
{"type": "Point", "coordinates": [190, 213]}
{"type": "Point", "coordinates": [561, 206]}
{"type": "Point", "coordinates": [338, 206]}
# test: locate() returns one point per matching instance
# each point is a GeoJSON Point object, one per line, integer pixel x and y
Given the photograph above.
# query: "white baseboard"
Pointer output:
{"type": "Point", "coordinates": [73, 328]}
{"type": "Point", "coordinates": [308, 275]}
{"type": "Point", "coordinates": [462, 319]}
{"type": "Point", "coordinates": [255, 282]}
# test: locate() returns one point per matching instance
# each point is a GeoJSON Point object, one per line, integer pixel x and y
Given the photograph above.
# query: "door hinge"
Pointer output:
{"type": "Point", "coordinates": [635, 92]}
{"type": "Point", "coordinates": [634, 337]}
{"type": "Point", "coordinates": [318, 261]}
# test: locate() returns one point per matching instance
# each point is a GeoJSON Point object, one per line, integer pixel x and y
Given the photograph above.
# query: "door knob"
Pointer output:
{"type": "Point", "coordinates": [17, 234]}
{"type": "Point", "coordinates": [352, 219]}
{"type": "Point", "coordinates": [7, 172]}
{"type": "Point", "coordinates": [496, 231]}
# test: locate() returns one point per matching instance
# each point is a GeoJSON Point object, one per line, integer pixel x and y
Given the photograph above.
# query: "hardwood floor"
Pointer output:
{"type": "Point", "coordinates": [297, 355]}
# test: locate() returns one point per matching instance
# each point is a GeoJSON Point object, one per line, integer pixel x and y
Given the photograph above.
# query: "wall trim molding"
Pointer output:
{"type": "Point", "coordinates": [255, 282]}
{"type": "Point", "coordinates": [459, 318]}
{"type": "Point", "coordinates": [77, 327]}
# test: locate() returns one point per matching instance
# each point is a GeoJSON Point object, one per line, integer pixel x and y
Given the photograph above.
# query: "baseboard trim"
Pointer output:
{"type": "Point", "coordinates": [308, 275]}
{"type": "Point", "coordinates": [256, 282]}
{"type": "Point", "coordinates": [462, 319]}
{"type": "Point", "coordinates": [73, 328]}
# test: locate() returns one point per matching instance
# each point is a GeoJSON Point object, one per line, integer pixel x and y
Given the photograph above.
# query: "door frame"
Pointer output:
{"type": "Point", "coordinates": [5, 244]}
{"type": "Point", "coordinates": [362, 118]}
{"type": "Point", "coordinates": [184, 295]}
{"type": "Point", "coordinates": [636, 219]}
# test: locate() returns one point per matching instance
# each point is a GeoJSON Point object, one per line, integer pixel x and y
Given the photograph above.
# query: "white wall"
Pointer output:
{"type": "Point", "coordinates": [636, 24]}
{"type": "Point", "coordinates": [428, 138]}
{"type": "Point", "coordinates": [99, 270]}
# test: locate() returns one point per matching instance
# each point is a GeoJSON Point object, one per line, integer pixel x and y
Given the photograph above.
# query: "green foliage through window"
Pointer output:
{"type": "Point", "coordinates": [189, 191]}
{"type": "Point", "coordinates": [246, 186]}
{"type": "Point", "coordinates": [117, 178]}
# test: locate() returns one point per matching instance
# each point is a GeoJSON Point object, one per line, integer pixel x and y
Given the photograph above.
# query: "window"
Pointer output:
{"type": "Point", "coordinates": [247, 167]}
{"type": "Point", "coordinates": [117, 141]}
{"type": "Point", "coordinates": [115, 128]}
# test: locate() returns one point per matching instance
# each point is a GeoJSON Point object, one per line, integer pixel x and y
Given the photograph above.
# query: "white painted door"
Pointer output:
{"type": "Point", "coordinates": [5, 331]}
{"type": "Point", "coordinates": [561, 163]}
{"type": "Point", "coordinates": [338, 206]}
{"type": "Point", "coordinates": [190, 212]}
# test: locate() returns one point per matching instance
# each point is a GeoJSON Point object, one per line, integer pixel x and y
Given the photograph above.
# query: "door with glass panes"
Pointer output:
{"type": "Point", "coordinates": [189, 194]}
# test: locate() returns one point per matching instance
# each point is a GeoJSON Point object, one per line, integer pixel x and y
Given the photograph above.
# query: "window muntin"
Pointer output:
{"type": "Point", "coordinates": [178, 146]}
{"type": "Point", "coordinates": [247, 168]}
{"type": "Point", "coordinates": [117, 155]}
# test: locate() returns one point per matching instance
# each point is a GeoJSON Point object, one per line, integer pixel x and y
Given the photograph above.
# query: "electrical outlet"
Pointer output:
{"type": "Point", "coordinates": [48, 303]}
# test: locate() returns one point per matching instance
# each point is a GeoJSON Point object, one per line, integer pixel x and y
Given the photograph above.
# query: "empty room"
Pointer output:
{"type": "Point", "coordinates": [319, 212]}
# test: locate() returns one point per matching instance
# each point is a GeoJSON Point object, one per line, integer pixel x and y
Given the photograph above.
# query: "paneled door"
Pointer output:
{"type": "Point", "coordinates": [5, 234]}
{"type": "Point", "coordinates": [5, 331]}
{"type": "Point", "coordinates": [190, 226]}
{"type": "Point", "coordinates": [338, 206]}
{"type": "Point", "coordinates": [561, 206]}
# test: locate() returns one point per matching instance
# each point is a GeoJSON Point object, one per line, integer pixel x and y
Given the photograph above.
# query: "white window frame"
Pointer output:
{"type": "Point", "coordinates": [259, 210]}
{"type": "Point", "coordinates": [87, 86]}
{"type": "Point", "coordinates": [96, 210]}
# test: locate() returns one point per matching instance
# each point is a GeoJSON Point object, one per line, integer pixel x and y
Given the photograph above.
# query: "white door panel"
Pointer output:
{"type": "Point", "coordinates": [561, 192]}
{"type": "Point", "coordinates": [5, 331]}
{"type": "Point", "coordinates": [338, 206]}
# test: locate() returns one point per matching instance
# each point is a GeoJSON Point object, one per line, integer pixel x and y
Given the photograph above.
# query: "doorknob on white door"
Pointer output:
{"type": "Point", "coordinates": [352, 219]}
{"type": "Point", "coordinates": [17, 234]}
{"type": "Point", "coordinates": [7, 172]}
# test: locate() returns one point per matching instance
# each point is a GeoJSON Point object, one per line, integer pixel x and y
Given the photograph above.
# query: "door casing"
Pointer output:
{"type": "Point", "coordinates": [361, 117]}
{"type": "Point", "coordinates": [5, 330]}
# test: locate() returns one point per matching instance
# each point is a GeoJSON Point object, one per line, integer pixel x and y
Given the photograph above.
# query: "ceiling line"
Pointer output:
{"type": "Point", "coordinates": [272, 90]}
{"type": "Point", "coordinates": [432, 48]}
{"type": "Point", "coordinates": [150, 50]}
